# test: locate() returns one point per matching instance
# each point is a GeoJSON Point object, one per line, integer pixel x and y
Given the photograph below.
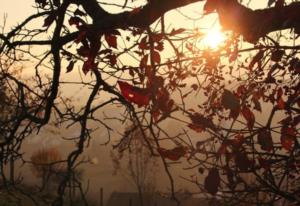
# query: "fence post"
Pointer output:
{"type": "Point", "coordinates": [101, 197]}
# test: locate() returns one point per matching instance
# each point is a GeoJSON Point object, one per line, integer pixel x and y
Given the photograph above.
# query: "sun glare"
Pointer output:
{"type": "Point", "coordinates": [213, 38]}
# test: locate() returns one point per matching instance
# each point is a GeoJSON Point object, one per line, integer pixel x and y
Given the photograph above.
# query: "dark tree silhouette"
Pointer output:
{"type": "Point", "coordinates": [237, 105]}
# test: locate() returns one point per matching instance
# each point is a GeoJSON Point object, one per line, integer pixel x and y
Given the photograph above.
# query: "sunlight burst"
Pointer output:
{"type": "Point", "coordinates": [213, 38]}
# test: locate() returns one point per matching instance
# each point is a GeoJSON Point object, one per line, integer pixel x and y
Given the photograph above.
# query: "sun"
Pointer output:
{"type": "Point", "coordinates": [213, 38]}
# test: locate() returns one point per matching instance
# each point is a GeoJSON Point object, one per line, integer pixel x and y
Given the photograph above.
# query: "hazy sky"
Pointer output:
{"type": "Point", "coordinates": [16, 10]}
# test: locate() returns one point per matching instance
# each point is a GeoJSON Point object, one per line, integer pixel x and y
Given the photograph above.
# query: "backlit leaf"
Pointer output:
{"type": "Point", "coordinates": [212, 181]}
{"type": "Point", "coordinates": [133, 94]}
{"type": "Point", "coordinates": [111, 40]}
{"type": "Point", "coordinates": [112, 59]}
{"type": "Point", "coordinates": [78, 12]}
{"type": "Point", "coordinates": [70, 66]}
{"type": "Point", "coordinates": [49, 20]}
{"type": "Point", "coordinates": [177, 31]}
{"type": "Point", "coordinates": [200, 123]}
{"type": "Point", "coordinates": [280, 103]}
{"type": "Point", "coordinates": [74, 20]}
{"type": "Point", "coordinates": [88, 65]}
{"type": "Point", "coordinates": [264, 139]}
{"type": "Point", "coordinates": [210, 6]}
{"type": "Point", "coordinates": [42, 3]}
{"type": "Point", "coordinates": [173, 154]}
{"type": "Point", "coordinates": [143, 43]}
{"type": "Point", "coordinates": [230, 101]}
{"type": "Point", "coordinates": [288, 136]}
{"type": "Point", "coordinates": [83, 51]}
{"type": "Point", "coordinates": [249, 116]}
{"type": "Point", "coordinates": [257, 105]}
{"type": "Point", "coordinates": [242, 161]}
{"type": "Point", "coordinates": [135, 11]}
{"type": "Point", "coordinates": [222, 150]}
{"type": "Point", "coordinates": [277, 55]}
{"type": "Point", "coordinates": [156, 57]}
{"type": "Point", "coordinates": [256, 58]}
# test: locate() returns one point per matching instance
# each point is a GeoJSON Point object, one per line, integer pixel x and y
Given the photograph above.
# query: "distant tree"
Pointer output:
{"type": "Point", "coordinates": [46, 164]}
{"type": "Point", "coordinates": [135, 162]}
{"type": "Point", "coordinates": [7, 111]}
{"type": "Point", "coordinates": [234, 109]}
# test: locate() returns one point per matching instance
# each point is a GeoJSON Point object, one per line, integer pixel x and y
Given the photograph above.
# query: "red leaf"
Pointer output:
{"type": "Point", "coordinates": [177, 31]}
{"type": "Point", "coordinates": [196, 128]}
{"type": "Point", "coordinates": [277, 55]}
{"type": "Point", "coordinates": [143, 62]}
{"type": "Point", "coordinates": [241, 90]}
{"type": "Point", "coordinates": [288, 136]}
{"type": "Point", "coordinates": [155, 115]}
{"type": "Point", "coordinates": [296, 120]}
{"type": "Point", "coordinates": [88, 65]}
{"type": "Point", "coordinates": [256, 58]}
{"type": "Point", "coordinates": [91, 53]}
{"type": "Point", "coordinates": [42, 3]}
{"type": "Point", "coordinates": [156, 57]}
{"type": "Point", "coordinates": [280, 103]}
{"type": "Point", "coordinates": [163, 102]}
{"type": "Point", "coordinates": [234, 54]}
{"type": "Point", "coordinates": [133, 94]}
{"type": "Point", "coordinates": [112, 59]}
{"type": "Point", "coordinates": [83, 51]}
{"type": "Point", "coordinates": [210, 6]}
{"type": "Point", "coordinates": [279, 93]}
{"type": "Point", "coordinates": [249, 116]}
{"type": "Point", "coordinates": [264, 139]}
{"type": "Point", "coordinates": [212, 181]}
{"type": "Point", "coordinates": [81, 36]}
{"type": "Point", "coordinates": [78, 12]}
{"type": "Point", "coordinates": [286, 121]}
{"type": "Point", "coordinates": [222, 150]}
{"type": "Point", "coordinates": [70, 66]}
{"type": "Point", "coordinates": [157, 37]}
{"type": "Point", "coordinates": [238, 140]}
{"type": "Point", "coordinates": [135, 11]}
{"type": "Point", "coordinates": [230, 101]}
{"type": "Point", "coordinates": [49, 20]}
{"type": "Point", "coordinates": [200, 123]}
{"type": "Point", "coordinates": [143, 44]}
{"type": "Point", "coordinates": [75, 21]}
{"type": "Point", "coordinates": [173, 154]}
{"type": "Point", "coordinates": [159, 46]}
{"type": "Point", "coordinates": [242, 162]}
{"type": "Point", "coordinates": [257, 105]}
{"type": "Point", "coordinates": [111, 40]}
